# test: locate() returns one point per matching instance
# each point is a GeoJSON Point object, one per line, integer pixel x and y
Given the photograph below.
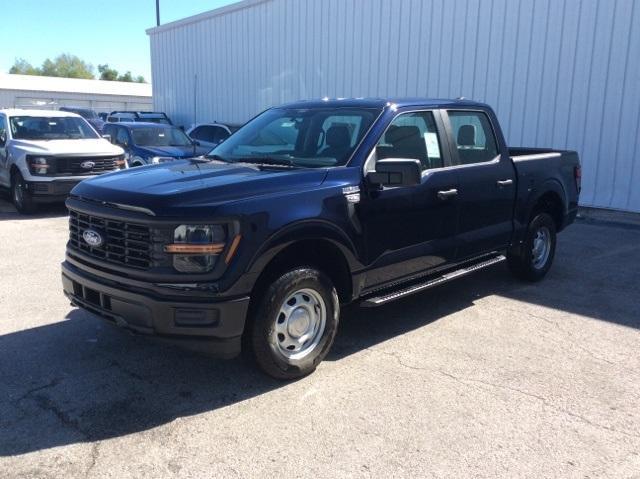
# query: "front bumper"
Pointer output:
{"type": "Point", "coordinates": [214, 326]}
{"type": "Point", "coordinates": [51, 191]}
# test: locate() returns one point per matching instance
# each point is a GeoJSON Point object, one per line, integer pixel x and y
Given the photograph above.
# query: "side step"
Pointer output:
{"type": "Point", "coordinates": [416, 288]}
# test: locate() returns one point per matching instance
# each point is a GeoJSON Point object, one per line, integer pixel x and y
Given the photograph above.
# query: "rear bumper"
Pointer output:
{"type": "Point", "coordinates": [214, 326]}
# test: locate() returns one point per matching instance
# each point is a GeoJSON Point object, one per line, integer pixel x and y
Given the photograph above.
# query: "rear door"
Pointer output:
{"type": "Point", "coordinates": [408, 230]}
{"type": "Point", "coordinates": [486, 179]}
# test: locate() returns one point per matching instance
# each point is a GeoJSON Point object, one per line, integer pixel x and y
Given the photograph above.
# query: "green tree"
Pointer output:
{"type": "Point", "coordinates": [23, 67]}
{"type": "Point", "coordinates": [68, 66]}
{"type": "Point", "coordinates": [126, 77]}
{"type": "Point", "coordinates": [106, 73]}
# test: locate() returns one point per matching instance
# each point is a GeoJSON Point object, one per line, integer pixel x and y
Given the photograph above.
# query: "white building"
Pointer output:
{"type": "Point", "coordinates": [30, 91]}
{"type": "Point", "coordinates": [560, 73]}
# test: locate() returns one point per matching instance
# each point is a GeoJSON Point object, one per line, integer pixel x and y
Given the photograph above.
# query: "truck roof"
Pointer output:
{"type": "Point", "coordinates": [380, 103]}
{"type": "Point", "coordinates": [30, 112]}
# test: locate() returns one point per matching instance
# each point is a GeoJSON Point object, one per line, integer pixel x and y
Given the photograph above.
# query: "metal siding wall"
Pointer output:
{"type": "Point", "coordinates": [562, 74]}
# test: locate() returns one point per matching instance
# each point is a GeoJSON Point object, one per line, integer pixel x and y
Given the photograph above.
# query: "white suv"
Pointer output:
{"type": "Point", "coordinates": [44, 154]}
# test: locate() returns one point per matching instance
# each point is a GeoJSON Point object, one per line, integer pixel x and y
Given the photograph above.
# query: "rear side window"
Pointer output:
{"type": "Point", "coordinates": [474, 136]}
{"type": "Point", "coordinates": [412, 136]}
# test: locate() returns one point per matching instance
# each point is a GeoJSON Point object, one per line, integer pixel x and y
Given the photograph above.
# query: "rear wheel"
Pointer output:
{"type": "Point", "coordinates": [21, 196]}
{"type": "Point", "coordinates": [294, 323]}
{"type": "Point", "coordinates": [533, 259]}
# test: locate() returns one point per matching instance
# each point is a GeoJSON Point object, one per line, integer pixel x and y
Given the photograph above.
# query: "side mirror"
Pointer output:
{"type": "Point", "coordinates": [196, 142]}
{"type": "Point", "coordinates": [396, 172]}
{"type": "Point", "coordinates": [3, 138]}
{"type": "Point", "coordinates": [107, 137]}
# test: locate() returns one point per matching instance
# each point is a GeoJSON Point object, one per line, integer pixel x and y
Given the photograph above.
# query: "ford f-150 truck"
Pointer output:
{"type": "Point", "coordinates": [44, 154]}
{"type": "Point", "coordinates": [307, 207]}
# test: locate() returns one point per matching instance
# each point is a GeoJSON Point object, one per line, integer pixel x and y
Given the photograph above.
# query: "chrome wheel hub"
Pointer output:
{"type": "Point", "coordinates": [541, 247]}
{"type": "Point", "coordinates": [299, 324]}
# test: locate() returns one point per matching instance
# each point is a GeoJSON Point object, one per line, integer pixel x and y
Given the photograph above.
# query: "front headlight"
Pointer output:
{"type": "Point", "coordinates": [196, 248]}
{"type": "Point", "coordinates": [39, 165]}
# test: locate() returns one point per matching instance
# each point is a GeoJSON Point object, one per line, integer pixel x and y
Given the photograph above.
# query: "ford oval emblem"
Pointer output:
{"type": "Point", "coordinates": [87, 165]}
{"type": "Point", "coordinates": [92, 238]}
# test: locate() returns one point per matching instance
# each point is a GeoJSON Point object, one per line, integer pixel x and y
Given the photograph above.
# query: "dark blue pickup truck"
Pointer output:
{"type": "Point", "coordinates": [309, 206]}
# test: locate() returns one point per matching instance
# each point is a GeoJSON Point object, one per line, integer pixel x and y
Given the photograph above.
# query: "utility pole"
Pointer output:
{"type": "Point", "coordinates": [158, 13]}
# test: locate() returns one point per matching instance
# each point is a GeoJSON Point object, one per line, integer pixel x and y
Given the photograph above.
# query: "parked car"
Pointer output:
{"type": "Point", "coordinates": [307, 207]}
{"type": "Point", "coordinates": [44, 154]}
{"type": "Point", "coordinates": [88, 114]}
{"type": "Point", "coordinates": [150, 143]}
{"type": "Point", "coordinates": [211, 134]}
{"type": "Point", "coordinates": [145, 116]}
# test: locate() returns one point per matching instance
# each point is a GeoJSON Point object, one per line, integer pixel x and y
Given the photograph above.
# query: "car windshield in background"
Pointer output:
{"type": "Point", "coordinates": [159, 136]}
{"type": "Point", "coordinates": [50, 128]}
{"type": "Point", "coordinates": [307, 137]}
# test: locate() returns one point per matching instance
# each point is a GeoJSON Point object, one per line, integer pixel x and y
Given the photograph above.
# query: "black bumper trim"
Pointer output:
{"type": "Point", "coordinates": [215, 327]}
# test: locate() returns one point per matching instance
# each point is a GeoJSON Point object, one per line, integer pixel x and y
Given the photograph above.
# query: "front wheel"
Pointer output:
{"type": "Point", "coordinates": [21, 196]}
{"type": "Point", "coordinates": [533, 259]}
{"type": "Point", "coordinates": [294, 323]}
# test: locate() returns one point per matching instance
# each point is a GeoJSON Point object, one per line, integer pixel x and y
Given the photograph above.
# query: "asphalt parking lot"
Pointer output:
{"type": "Point", "coordinates": [483, 377]}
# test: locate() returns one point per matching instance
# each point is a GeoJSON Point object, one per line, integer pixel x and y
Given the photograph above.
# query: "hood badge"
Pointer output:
{"type": "Point", "coordinates": [351, 193]}
{"type": "Point", "coordinates": [92, 238]}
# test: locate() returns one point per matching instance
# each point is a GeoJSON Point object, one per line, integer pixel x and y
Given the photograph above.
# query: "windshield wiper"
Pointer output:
{"type": "Point", "coordinates": [266, 160]}
{"type": "Point", "coordinates": [209, 157]}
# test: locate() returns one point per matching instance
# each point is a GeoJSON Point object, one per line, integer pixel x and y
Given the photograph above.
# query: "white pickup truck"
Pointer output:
{"type": "Point", "coordinates": [44, 154]}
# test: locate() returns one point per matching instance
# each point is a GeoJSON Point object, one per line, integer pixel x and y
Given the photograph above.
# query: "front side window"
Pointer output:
{"type": "Point", "coordinates": [159, 136]}
{"type": "Point", "coordinates": [3, 131]}
{"type": "Point", "coordinates": [50, 128]}
{"type": "Point", "coordinates": [412, 136]}
{"type": "Point", "coordinates": [308, 137]}
{"type": "Point", "coordinates": [122, 137]}
{"type": "Point", "coordinates": [474, 136]}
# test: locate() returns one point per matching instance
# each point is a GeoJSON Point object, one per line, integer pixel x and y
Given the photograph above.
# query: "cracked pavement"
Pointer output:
{"type": "Point", "coordinates": [482, 377]}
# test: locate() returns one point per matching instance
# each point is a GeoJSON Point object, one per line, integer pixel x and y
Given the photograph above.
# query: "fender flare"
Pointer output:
{"type": "Point", "coordinates": [304, 230]}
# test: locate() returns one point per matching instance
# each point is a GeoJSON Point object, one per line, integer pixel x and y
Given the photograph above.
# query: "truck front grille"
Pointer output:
{"type": "Point", "coordinates": [123, 243]}
{"type": "Point", "coordinates": [73, 165]}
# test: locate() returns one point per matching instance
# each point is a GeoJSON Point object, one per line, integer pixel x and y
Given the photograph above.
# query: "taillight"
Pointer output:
{"type": "Point", "coordinates": [577, 175]}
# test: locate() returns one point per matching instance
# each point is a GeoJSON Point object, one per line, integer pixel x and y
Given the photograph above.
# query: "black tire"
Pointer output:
{"type": "Point", "coordinates": [524, 262]}
{"type": "Point", "coordinates": [262, 339]}
{"type": "Point", "coordinates": [20, 196]}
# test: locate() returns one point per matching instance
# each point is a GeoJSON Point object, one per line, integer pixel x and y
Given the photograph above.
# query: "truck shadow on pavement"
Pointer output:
{"type": "Point", "coordinates": [8, 211]}
{"type": "Point", "coordinates": [81, 380]}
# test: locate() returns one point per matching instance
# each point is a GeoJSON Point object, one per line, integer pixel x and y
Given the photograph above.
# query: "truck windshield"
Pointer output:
{"type": "Point", "coordinates": [50, 128]}
{"type": "Point", "coordinates": [159, 136]}
{"type": "Point", "coordinates": [307, 137]}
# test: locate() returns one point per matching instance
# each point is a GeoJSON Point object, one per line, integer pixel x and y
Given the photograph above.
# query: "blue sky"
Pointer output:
{"type": "Point", "coordinates": [98, 31]}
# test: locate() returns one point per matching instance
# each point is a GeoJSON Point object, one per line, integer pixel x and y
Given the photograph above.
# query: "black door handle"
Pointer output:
{"type": "Point", "coordinates": [502, 183]}
{"type": "Point", "coordinates": [446, 194]}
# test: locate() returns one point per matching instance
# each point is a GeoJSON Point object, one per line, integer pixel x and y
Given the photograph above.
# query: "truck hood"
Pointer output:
{"type": "Point", "coordinates": [84, 147]}
{"type": "Point", "coordinates": [173, 151]}
{"type": "Point", "coordinates": [192, 188]}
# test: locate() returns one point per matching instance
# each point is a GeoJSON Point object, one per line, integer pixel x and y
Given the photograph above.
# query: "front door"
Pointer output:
{"type": "Point", "coordinates": [487, 184]}
{"type": "Point", "coordinates": [408, 230]}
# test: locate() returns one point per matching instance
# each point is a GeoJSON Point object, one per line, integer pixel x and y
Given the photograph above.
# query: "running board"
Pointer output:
{"type": "Point", "coordinates": [416, 288]}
